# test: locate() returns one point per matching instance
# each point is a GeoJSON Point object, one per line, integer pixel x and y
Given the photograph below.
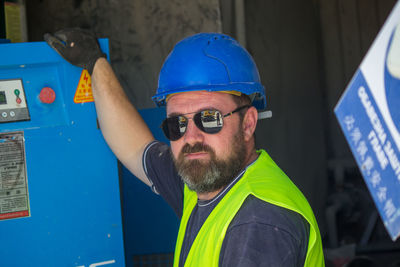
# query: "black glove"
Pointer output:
{"type": "Point", "coordinates": [79, 47]}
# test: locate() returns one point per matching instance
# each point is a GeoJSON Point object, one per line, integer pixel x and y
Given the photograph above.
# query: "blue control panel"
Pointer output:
{"type": "Point", "coordinates": [59, 187]}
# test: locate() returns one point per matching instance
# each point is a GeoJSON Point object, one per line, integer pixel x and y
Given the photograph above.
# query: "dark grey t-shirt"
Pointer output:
{"type": "Point", "coordinates": [261, 234]}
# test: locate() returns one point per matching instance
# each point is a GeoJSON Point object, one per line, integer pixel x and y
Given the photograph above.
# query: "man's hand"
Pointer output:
{"type": "Point", "coordinates": [79, 47]}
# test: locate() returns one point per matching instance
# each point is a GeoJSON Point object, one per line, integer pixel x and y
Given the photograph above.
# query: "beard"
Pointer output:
{"type": "Point", "coordinates": [205, 176]}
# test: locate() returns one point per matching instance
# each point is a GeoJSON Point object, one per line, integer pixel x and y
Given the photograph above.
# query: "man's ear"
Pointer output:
{"type": "Point", "coordinates": [249, 123]}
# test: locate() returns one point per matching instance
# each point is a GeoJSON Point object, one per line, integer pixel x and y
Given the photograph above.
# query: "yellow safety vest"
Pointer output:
{"type": "Point", "coordinates": [263, 179]}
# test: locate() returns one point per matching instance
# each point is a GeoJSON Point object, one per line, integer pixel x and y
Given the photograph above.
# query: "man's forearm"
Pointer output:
{"type": "Point", "coordinates": [122, 126]}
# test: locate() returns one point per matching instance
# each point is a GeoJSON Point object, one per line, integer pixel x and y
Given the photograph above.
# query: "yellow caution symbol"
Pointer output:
{"type": "Point", "coordinates": [84, 90]}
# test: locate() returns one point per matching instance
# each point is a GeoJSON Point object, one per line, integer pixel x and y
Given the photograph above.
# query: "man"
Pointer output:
{"type": "Point", "coordinates": [237, 208]}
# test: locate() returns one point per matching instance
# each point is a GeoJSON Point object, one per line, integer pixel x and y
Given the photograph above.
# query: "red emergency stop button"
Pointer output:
{"type": "Point", "coordinates": [47, 95]}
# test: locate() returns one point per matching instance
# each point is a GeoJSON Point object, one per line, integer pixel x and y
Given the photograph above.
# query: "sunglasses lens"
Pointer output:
{"type": "Point", "coordinates": [209, 121]}
{"type": "Point", "coordinates": [182, 123]}
{"type": "Point", "coordinates": [174, 127]}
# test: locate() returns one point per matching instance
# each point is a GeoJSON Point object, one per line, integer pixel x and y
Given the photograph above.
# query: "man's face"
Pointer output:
{"type": "Point", "coordinates": [207, 162]}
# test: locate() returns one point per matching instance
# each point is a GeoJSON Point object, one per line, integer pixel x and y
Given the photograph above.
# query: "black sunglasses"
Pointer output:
{"type": "Point", "coordinates": [209, 121]}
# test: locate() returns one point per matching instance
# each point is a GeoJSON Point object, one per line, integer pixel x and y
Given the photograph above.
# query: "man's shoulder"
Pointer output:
{"type": "Point", "coordinates": [263, 234]}
{"type": "Point", "coordinates": [256, 211]}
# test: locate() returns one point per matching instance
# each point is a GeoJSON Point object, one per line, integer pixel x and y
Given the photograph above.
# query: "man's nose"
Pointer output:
{"type": "Point", "coordinates": [193, 134]}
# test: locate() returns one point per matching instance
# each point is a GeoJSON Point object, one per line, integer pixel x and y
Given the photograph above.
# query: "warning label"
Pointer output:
{"type": "Point", "coordinates": [14, 197]}
{"type": "Point", "coordinates": [84, 90]}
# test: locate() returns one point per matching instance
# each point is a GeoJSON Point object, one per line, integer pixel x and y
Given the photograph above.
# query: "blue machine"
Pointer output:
{"type": "Point", "coordinates": [150, 225]}
{"type": "Point", "coordinates": [59, 189]}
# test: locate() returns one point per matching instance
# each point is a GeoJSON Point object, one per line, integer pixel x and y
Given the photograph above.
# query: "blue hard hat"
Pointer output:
{"type": "Point", "coordinates": [211, 62]}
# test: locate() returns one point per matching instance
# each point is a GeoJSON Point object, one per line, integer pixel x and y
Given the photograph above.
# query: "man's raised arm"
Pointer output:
{"type": "Point", "coordinates": [122, 126]}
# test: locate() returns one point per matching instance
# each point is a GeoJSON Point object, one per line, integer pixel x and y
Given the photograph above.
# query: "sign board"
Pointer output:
{"type": "Point", "coordinates": [369, 115]}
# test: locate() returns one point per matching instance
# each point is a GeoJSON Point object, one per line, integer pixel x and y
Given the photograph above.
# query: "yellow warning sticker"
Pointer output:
{"type": "Point", "coordinates": [84, 90]}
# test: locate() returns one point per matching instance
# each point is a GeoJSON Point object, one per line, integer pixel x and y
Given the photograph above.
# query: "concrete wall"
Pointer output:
{"type": "Point", "coordinates": [141, 32]}
{"type": "Point", "coordinates": [282, 36]}
{"type": "Point", "coordinates": [347, 30]}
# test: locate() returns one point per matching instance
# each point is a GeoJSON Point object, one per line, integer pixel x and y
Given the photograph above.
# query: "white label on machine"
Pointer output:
{"type": "Point", "coordinates": [14, 197]}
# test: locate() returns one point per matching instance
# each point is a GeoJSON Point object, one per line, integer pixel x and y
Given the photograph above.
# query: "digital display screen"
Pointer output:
{"type": "Point", "coordinates": [3, 99]}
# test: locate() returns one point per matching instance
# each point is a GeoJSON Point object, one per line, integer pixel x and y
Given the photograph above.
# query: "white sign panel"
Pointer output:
{"type": "Point", "coordinates": [369, 114]}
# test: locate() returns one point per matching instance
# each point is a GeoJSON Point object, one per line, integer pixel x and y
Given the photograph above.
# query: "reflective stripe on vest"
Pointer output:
{"type": "Point", "coordinates": [263, 179]}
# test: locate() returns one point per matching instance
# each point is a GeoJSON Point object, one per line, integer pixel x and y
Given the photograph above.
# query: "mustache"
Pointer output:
{"type": "Point", "coordinates": [197, 147]}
